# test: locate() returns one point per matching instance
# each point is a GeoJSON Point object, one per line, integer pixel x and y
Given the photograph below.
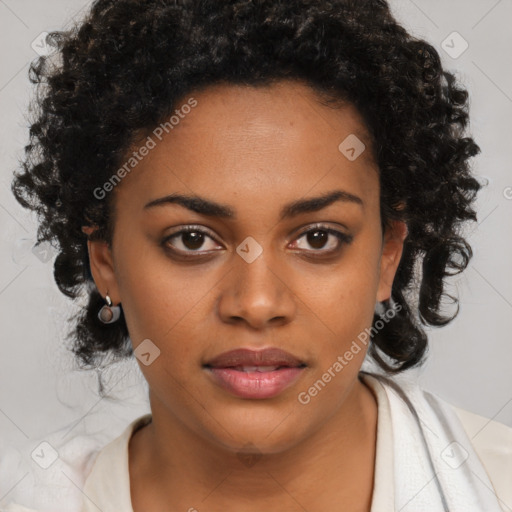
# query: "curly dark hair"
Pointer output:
{"type": "Point", "coordinates": [122, 70]}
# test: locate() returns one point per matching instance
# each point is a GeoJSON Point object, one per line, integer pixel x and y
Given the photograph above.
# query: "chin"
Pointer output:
{"type": "Point", "coordinates": [259, 444]}
{"type": "Point", "coordinates": [257, 432]}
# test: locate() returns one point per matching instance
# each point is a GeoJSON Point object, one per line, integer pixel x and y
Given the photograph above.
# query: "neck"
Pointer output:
{"type": "Point", "coordinates": [183, 468]}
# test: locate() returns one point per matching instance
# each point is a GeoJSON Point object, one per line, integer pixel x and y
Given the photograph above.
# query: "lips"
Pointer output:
{"type": "Point", "coordinates": [242, 357]}
{"type": "Point", "coordinates": [255, 374]}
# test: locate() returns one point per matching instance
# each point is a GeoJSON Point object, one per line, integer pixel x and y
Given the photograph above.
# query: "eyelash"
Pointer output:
{"type": "Point", "coordinates": [343, 239]}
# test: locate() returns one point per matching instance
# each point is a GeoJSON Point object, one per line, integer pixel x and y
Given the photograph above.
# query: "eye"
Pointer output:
{"type": "Point", "coordinates": [190, 239]}
{"type": "Point", "coordinates": [319, 237]}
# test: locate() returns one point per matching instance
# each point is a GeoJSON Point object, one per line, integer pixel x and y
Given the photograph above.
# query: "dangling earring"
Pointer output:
{"type": "Point", "coordinates": [109, 314]}
{"type": "Point", "coordinates": [379, 308]}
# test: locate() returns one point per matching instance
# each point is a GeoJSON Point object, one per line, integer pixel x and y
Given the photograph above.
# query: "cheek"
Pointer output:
{"type": "Point", "coordinates": [170, 304]}
{"type": "Point", "coordinates": [354, 282]}
{"type": "Point", "coordinates": [158, 305]}
{"type": "Point", "coordinates": [153, 291]}
{"type": "Point", "coordinates": [165, 303]}
{"type": "Point", "coordinates": [344, 303]}
{"type": "Point", "coordinates": [161, 309]}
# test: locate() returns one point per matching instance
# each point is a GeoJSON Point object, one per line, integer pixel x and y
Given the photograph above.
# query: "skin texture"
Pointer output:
{"type": "Point", "coordinates": [254, 149]}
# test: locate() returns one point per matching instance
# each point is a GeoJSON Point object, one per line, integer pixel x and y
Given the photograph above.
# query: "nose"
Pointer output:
{"type": "Point", "coordinates": [258, 293]}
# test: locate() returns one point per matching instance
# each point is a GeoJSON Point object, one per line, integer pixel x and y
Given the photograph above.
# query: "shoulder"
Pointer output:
{"type": "Point", "coordinates": [108, 483]}
{"type": "Point", "coordinates": [46, 474]}
{"type": "Point", "coordinates": [490, 440]}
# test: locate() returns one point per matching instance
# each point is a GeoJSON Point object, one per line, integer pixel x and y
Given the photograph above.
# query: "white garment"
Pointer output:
{"type": "Point", "coordinates": [434, 465]}
{"type": "Point", "coordinates": [404, 472]}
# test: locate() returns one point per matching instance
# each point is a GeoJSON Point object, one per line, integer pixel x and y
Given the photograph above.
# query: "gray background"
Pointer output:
{"type": "Point", "coordinates": [469, 363]}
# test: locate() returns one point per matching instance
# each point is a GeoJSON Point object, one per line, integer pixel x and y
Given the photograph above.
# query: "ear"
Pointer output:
{"type": "Point", "coordinates": [102, 267]}
{"type": "Point", "coordinates": [392, 248]}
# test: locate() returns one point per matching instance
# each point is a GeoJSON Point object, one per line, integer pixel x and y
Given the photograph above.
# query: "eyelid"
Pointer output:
{"type": "Point", "coordinates": [193, 227]}
{"type": "Point", "coordinates": [186, 229]}
{"type": "Point", "coordinates": [320, 226]}
{"type": "Point", "coordinates": [343, 238]}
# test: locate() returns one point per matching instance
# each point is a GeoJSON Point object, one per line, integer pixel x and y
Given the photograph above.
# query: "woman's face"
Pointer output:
{"type": "Point", "coordinates": [253, 279]}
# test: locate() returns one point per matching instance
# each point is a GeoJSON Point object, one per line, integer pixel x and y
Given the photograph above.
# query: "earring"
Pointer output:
{"type": "Point", "coordinates": [109, 314]}
{"type": "Point", "coordinates": [379, 308]}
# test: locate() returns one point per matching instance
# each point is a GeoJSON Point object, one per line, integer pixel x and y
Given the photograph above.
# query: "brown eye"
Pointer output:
{"type": "Point", "coordinates": [321, 237]}
{"type": "Point", "coordinates": [193, 239]}
{"type": "Point", "coordinates": [189, 240]}
{"type": "Point", "coordinates": [317, 239]}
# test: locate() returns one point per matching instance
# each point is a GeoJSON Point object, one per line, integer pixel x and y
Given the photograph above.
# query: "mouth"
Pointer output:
{"type": "Point", "coordinates": [255, 374]}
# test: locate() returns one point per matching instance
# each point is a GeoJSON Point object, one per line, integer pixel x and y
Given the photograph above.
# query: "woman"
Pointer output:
{"type": "Point", "coordinates": [246, 192]}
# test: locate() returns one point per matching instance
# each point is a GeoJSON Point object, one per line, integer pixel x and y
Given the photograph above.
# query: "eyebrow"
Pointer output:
{"type": "Point", "coordinates": [210, 208]}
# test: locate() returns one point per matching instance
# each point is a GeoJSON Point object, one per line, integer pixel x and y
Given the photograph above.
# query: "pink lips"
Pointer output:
{"type": "Point", "coordinates": [255, 374]}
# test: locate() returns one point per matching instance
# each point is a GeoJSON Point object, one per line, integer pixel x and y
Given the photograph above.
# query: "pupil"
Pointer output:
{"type": "Point", "coordinates": [193, 240]}
{"type": "Point", "coordinates": [317, 239]}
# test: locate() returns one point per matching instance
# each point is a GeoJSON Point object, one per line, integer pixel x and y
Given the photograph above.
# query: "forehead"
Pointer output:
{"type": "Point", "coordinates": [234, 111]}
{"type": "Point", "coordinates": [255, 140]}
